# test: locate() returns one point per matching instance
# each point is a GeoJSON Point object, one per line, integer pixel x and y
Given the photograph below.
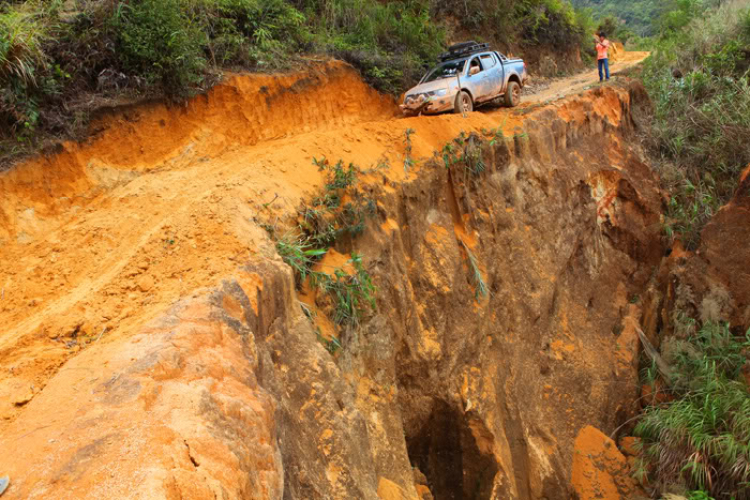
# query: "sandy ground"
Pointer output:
{"type": "Point", "coordinates": [103, 236]}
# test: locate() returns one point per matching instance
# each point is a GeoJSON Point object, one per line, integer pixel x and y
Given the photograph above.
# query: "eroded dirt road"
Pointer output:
{"type": "Point", "coordinates": [578, 83]}
{"type": "Point", "coordinates": [100, 238]}
{"type": "Point", "coordinates": [164, 204]}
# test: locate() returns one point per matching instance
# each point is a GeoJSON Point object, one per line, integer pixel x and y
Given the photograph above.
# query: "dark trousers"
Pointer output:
{"type": "Point", "coordinates": [603, 67]}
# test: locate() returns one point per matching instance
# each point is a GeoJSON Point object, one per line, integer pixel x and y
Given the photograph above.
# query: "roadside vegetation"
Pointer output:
{"type": "Point", "coordinates": [61, 60]}
{"type": "Point", "coordinates": [696, 440]}
{"type": "Point", "coordinates": [697, 78]}
{"type": "Point", "coordinates": [700, 440]}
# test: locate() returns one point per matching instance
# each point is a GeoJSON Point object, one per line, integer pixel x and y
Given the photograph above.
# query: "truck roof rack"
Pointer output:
{"type": "Point", "coordinates": [463, 49]}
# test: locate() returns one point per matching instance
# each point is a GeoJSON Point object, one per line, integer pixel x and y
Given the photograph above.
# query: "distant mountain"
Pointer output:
{"type": "Point", "coordinates": [638, 15]}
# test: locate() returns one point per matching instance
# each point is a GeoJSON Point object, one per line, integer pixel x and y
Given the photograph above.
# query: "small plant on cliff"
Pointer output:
{"type": "Point", "coordinates": [702, 438]}
{"type": "Point", "coordinates": [332, 346]}
{"type": "Point", "coordinates": [300, 254]}
{"type": "Point", "coordinates": [494, 135]}
{"type": "Point", "coordinates": [473, 159]}
{"type": "Point", "coordinates": [353, 293]}
{"type": "Point", "coordinates": [476, 274]}
{"type": "Point", "coordinates": [465, 149]}
{"type": "Point", "coordinates": [342, 208]}
{"type": "Point", "coordinates": [408, 161]}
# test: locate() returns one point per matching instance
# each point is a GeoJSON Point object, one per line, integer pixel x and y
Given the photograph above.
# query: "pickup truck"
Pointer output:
{"type": "Point", "coordinates": [469, 75]}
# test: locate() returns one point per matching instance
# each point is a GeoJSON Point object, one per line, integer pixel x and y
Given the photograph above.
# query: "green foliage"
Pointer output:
{"type": "Point", "coordinates": [158, 41]}
{"type": "Point", "coordinates": [476, 274]}
{"type": "Point", "coordinates": [699, 495]}
{"type": "Point", "coordinates": [391, 43]}
{"type": "Point", "coordinates": [250, 32]}
{"type": "Point", "coordinates": [408, 160]}
{"type": "Point", "coordinates": [702, 439]}
{"type": "Point", "coordinates": [636, 16]}
{"type": "Point", "coordinates": [466, 150]}
{"type": "Point", "coordinates": [701, 121]}
{"type": "Point", "coordinates": [340, 210]}
{"type": "Point", "coordinates": [353, 294]}
{"type": "Point", "coordinates": [21, 37]}
{"type": "Point", "coordinates": [528, 23]}
{"type": "Point", "coordinates": [300, 254]}
{"type": "Point", "coordinates": [23, 65]}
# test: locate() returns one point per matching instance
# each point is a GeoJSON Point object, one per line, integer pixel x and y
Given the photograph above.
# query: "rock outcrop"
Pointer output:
{"type": "Point", "coordinates": [599, 469]}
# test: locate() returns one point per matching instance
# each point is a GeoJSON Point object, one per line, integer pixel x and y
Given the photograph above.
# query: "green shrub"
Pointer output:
{"type": "Point", "coordinates": [701, 440]}
{"type": "Point", "coordinates": [23, 65]}
{"type": "Point", "coordinates": [353, 294]}
{"type": "Point", "coordinates": [160, 42]}
{"type": "Point", "coordinates": [391, 43]}
{"type": "Point", "coordinates": [250, 32]}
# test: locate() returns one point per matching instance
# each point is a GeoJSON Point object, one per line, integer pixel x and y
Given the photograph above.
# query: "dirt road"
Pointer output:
{"type": "Point", "coordinates": [101, 237]}
{"type": "Point", "coordinates": [578, 83]}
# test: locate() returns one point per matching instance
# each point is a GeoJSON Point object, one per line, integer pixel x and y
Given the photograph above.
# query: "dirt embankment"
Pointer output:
{"type": "Point", "coordinates": [155, 345]}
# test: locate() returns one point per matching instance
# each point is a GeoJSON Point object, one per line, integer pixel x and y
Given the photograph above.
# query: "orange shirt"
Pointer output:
{"type": "Point", "coordinates": [601, 49]}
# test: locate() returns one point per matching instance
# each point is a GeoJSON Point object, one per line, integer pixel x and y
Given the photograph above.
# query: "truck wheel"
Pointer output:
{"type": "Point", "coordinates": [464, 104]}
{"type": "Point", "coordinates": [513, 94]}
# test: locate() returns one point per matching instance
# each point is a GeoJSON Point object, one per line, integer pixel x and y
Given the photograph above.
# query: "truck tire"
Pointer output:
{"type": "Point", "coordinates": [464, 103]}
{"type": "Point", "coordinates": [513, 94]}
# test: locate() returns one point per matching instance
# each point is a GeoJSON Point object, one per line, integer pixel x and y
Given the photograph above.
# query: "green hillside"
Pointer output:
{"type": "Point", "coordinates": [646, 18]}
{"type": "Point", "coordinates": [637, 15]}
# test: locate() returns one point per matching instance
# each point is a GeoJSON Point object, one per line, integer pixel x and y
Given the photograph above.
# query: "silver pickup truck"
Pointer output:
{"type": "Point", "coordinates": [469, 75]}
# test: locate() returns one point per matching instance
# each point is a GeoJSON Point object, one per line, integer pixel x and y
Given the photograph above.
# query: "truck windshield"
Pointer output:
{"type": "Point", "coordinates": [447, 70]}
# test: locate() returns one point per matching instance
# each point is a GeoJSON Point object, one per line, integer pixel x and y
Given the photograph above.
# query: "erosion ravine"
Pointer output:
{"type": "Point", "coordinates": [154, 345]}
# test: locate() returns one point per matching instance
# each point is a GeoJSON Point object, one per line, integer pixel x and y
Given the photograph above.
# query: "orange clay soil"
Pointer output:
{"type": "Point", "coordinates": [103, 236]}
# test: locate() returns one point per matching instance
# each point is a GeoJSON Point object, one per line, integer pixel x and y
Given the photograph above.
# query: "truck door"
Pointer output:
{"type": "Point", "coordinates": [501, 64]}
{"type": "Point", "coordinates": [476, 80]}
{"type": "Point", "coordinates": [495, 73]}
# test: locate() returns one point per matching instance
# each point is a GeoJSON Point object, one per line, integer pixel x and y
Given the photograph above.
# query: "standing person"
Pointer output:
{"type": "Point", "coordinates": [602, 56]}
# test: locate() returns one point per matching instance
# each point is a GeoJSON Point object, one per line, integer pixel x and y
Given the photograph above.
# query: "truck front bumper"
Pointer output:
{"type": "Point", "coordinates": [428, 105]}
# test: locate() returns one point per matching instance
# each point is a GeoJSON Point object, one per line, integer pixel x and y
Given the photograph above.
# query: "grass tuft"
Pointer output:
{"type": "Point", "coordinates": [476, 275]}
{"type": "Point", "coordinates": [702, 438]}
{"type": "Point", "coordinates": [408, 160]}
